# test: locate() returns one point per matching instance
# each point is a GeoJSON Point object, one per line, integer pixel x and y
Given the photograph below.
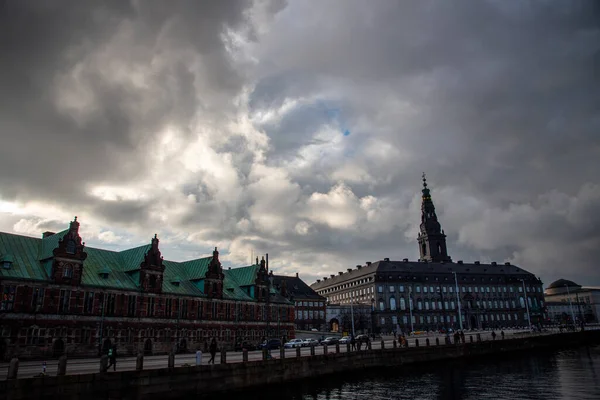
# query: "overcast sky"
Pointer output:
{"type": "Point", "coordinates": [301, 128]}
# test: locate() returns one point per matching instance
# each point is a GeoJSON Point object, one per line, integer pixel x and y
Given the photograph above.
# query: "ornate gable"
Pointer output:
{"type": "Point", "coordinates": [67, 266]}
{"type": "Point", "coordinates": [152, 269]}
{"type": "Point", "coordinates": [262, 281]}
{"type": "Point", "coordinates": [213, 282]}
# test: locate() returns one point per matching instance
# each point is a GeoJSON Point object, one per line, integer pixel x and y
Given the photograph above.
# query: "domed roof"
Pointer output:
{"type": "Point", "coordinates": [562, 283]}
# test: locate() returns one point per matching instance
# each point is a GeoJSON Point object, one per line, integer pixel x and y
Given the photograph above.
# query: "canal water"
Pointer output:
{"type": "Point", "coordinates": [571, 374]}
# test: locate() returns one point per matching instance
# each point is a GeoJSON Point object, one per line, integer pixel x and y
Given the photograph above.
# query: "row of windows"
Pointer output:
{"type": "Point", "coordinates": [310, 304]}
{"type": "Point", "coordinates": [310, 314]}
{"type": "Point", "coordinates": [464, 289]}
{"type": "Point", "coordinates": [451, 305]}
{"type": "Point", "coordinates": [173, 307]}
{"type": "Point", "coordinates": [428, 319]}
{"type": "Point", "coordinates": [345, 285]}
{"type": "Point", "coordinates": [40, 336]}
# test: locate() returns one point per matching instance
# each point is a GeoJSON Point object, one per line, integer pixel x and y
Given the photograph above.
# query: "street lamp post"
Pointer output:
{"type": "Point", "coordinates": [458, 301]}
{"type": "Point", "coordinates": [570, 304]}
{"type": "Point", "coordinates": [443, 309]}
{"type": "Point", "coordinates": [412, 329]}
{"type": "Point", "coordinates": [526, 303]}
{"type": "Point", "coordinates": [352, 316]}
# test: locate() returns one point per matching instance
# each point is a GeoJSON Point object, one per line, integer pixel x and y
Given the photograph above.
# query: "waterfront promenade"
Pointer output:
{"type": "Point", "coordinates": [28, 369]}
{"type": "Point", "coordinates": [176, 381]}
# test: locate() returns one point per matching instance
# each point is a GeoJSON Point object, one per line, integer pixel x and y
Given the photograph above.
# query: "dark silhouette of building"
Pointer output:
{"type": "Point", "coordinates": [431, 293]}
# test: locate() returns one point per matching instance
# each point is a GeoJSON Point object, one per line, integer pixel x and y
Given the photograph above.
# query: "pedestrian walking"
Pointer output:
{"type": "Point", "coordinates": [353, 342]}
{"type": "Point", "coordinates": [213, 351]}
{"type": "Point", "coordinates": [502, 334]}
{"type": "Point", "coordinates": [112, 357]}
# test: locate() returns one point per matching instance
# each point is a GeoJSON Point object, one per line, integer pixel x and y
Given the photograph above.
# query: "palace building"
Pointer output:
{"type": "Point", "coordinates": [433, 292]}
{"type": "Point", "coordinates": [59, 296]}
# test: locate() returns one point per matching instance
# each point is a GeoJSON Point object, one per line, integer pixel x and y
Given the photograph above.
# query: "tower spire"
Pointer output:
{"type": "Point", "coordinates": [432, 240]}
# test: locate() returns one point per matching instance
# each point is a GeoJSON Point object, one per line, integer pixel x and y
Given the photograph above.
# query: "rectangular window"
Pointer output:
{"type": "Point", "coordinates": [402, 288]}
{"type": "Point", "coordinates": [63, 301]}
{"type": "Point", "coordinates": [8, 297]}
{"type": "Point", "coordinates": [88, 303]}
{"type": "Point", "coordinates": [110, 304]}
{"type": "Point", "coordinates": [424, 289]}
{"type": "Point", "coordinates": [199, 312]}
{"type": "Point", "coordinates": [168, 307]}
{"type": "Point", "coordinates": [131, 305]}
{"type": "Point", "coordinates": [184, 309]}
{"type": "Point", "coordinates": [37, 301]}
{"type": "Point", "coordinates": [392, 289]}
{"type": "Point", "coordinates": [150, 307]}
{"type": "Point", "coordinates": [380, 289]}
{"type": "Point", "coordinates": [418, 289]}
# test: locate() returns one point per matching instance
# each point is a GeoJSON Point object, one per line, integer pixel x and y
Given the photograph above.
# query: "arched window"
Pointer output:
{"type": "Point", "coordinates": [381, 305]}
{"type": "Point", "coordinates": [68, 271]}
{"type": "Point", "coordinates": [393, 303]}
{"type": "Point", "coordinates": [439, 248]}
{"type": "Point", "coordinates": [419, 305]}
{"type": "Point", "coordinates": [402, 303]}
{"type": "Point", "coordinates": [70, 246]}
{"type": "Point", "coordinates": [522, 302]}
{"type": "Point", "coordinates": [424, 247]}
{"type": "Point", "coordinates": [427, 304]}
{"type": "Point", "coordinates": [529, 301]}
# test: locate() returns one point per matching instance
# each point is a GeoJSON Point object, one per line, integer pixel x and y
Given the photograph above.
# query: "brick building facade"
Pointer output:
{"type": "Point", "coordinates": [59, 296]}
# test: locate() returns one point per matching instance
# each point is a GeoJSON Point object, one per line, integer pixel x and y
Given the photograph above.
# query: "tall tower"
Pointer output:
{"type": "Point", "coordinates": [432, 240]}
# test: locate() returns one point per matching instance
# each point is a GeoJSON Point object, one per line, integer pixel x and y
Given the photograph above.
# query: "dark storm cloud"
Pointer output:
{"type": "Point", "coordinates": [49, 151]}
{"type": "Point", "coordinates": [497, 100]}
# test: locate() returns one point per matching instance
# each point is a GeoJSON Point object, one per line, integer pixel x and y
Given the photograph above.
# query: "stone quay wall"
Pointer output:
{"type": "Point", "coordinates": [199, 381]}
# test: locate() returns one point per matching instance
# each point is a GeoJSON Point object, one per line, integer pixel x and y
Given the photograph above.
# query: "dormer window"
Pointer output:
{"type": "Point", "coordinates": [104, 273]}
{"type": "Point", "coordinates": [176, 281]}
{"type": "Point", "coordinates": [70, 246]}
{"type": "Point", "coordinates": [7, 261]}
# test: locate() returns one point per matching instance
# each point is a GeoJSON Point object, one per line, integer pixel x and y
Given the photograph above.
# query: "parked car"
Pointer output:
{"type": "Point", "coordinates": [271, 344]}
{"type": "Point", "coordinates": [310, 342]}
{"type": "Point", "coordinates": [293, 343]}
{"type": "Point", "coordinates": [244, 345]}
{"type": "Point", "coordinates": [330, 340]}
{"type": "Point", "coordinates": [345, 340]}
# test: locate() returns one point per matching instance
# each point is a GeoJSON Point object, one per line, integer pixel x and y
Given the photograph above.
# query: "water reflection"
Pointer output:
{"type": "Point", "coordinates": [567, 374]}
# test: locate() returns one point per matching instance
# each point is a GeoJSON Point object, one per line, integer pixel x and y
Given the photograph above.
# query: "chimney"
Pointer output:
{"type": "Point", "coordinates": [358, 266]}
{"type": "Point", "coordinates": [332, 275]}
{"type": "Point", "coordinates": [368, 263]}
{"type": "Point", "coordinates": [349, 269]}
{"type": "Point", "coordinates": [296, 275]}
{"type": "Point", "coordinates": [267, 261]}
{"type": "Point", "coordinates": [324, 278]}
{"type": "Point", "coordinates": [507, 263]}
{"type": "Point", "coordinates": [386, 259]}
{"type": "Point", "coordinates": [341, 273]}
{"type": "Point", "coordinates": [477, 263]}
{"type": "Point", "coordinates": [47, 234]}
{"type": "Point", "coordinates": [494, 263]}
{"type": "Point", "coordinates": [460, 261]}
{"type": "Point", "coordinates": [318, 280]}
{"type": "Point", "coordinates": [405, 260]}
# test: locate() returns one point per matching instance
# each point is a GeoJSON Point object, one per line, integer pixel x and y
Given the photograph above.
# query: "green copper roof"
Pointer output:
{"type": "Point", "coordinates": [97, 262]}
{"type": "Point", "coordinates": [24, 253]}
{"type": "Point", "coordinates": [245, 276]}
{"type": "Point", "coordinates": [49, 244]}
{"type": "Point", "coordinates": [196, 269]}
{"type": "Point", "coordinates": [32, 260]}
{"type": "Point", "coordinates": [132, 258]}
